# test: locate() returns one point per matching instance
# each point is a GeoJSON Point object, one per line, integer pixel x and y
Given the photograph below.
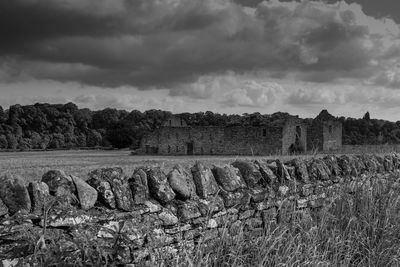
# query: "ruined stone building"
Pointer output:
{"type": "Point", "coordinates": [292, 134]}
{"type": "Point", "coordinates": [324, 133]}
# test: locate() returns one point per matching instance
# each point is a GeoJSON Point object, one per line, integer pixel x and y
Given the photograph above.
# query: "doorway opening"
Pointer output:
{"type": "Point", "coordinates": [190, 148]}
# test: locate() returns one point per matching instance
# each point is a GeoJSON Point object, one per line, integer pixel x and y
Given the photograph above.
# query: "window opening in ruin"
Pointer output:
{"type": "Point", "coordinates": [177, 149]}
{"type": "Point", "coordinates": [330, 129]}
{"type": "Point", "coordinates": [211, 151]}
{"type": "Point", "coordinates": [298, 131]}
{"type": "Point", "coordinates": [190, 148]}
{"type": "Point", "coordinates": [264, 132]}
{"type": "Point", "coordinates": [177, 136]}
{"type": "Point", "coordinates": [181, 122]}
{"type": "Point", "coordinates": [169, 149]}
{"type": "Point", "coordinates": [170, 123]}
{"type": "Point", "coordinates": [202, 150]}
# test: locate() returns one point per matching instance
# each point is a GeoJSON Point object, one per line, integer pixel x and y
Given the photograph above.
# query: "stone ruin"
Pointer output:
{"type": "Point", "coordinates": [284, 136]}
{"type": "Point", "coordinates": [156, 214]}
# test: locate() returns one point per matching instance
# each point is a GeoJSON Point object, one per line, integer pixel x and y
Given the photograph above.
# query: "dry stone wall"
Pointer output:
{"type": "Point", "coordinates": [156, 214]}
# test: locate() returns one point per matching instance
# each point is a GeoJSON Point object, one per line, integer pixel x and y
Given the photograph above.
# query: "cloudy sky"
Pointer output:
{"type": "Point", "coordinates": [228, 56]}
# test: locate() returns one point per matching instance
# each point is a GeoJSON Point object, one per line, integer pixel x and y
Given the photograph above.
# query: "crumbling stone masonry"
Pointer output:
{"type": "Point", "coordinates": [156, 214]}
{"type": "Point", "coordinates": [230, 140]}
{"type": "Point", "coordinates": [324, 133]}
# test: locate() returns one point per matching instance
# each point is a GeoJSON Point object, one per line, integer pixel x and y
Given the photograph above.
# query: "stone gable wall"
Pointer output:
{"type": "Point", "coordinates": [155, 213]}
{"type": "Point", "coordinates": [332, 135]}
{"type": "Point", "coordinates": [324, 135]}
{"type": "Point", "coordinates": [289, 135]}
{"type": "Point", "coordinates": [315, 139]}
{"type": "Point", "coordinates": [175, 121]}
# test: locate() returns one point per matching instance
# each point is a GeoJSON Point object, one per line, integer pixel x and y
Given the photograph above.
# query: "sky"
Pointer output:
{"type": "Point", "coordinates": [227, 56]}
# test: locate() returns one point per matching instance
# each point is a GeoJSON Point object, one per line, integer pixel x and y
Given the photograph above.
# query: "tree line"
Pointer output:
{"type": "Point", "coordinates": [65, 126]}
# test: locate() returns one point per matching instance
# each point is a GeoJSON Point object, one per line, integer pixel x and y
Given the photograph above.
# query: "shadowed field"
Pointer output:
{"type": "Point", "coordinates": [32, 165]}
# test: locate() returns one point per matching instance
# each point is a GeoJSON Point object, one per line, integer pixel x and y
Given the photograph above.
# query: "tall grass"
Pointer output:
{"type": "Point", "coordinates": [361, 227]}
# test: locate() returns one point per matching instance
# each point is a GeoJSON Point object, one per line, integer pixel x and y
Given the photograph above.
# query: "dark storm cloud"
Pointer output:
{"type": "Point", "coordinates": [162, 43]}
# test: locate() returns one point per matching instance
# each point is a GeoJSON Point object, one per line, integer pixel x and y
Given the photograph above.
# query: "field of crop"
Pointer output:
{"type": "Point", "coordinates": [32, 165]}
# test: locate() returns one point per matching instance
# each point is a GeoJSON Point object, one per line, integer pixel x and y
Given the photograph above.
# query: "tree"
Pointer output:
{"type": "Point", "coordinates": [366, 116]}
{"type": "Point", "coordinates": [12, 141]}
{"type": "Point", "coordinates": [2, 115]}
{"type": "Point", "coordinates": [57, 141]}
{"type": "Point", "coordinates": [104, 118]}
{"type": "Point", "coordinates": [94, 138]}
{"type": "Point", "coordinates": [81, 140]}
{"type": "Point", "coordinates": [121, 135]}
{"type": "Point", "coordinates": [3, 142]}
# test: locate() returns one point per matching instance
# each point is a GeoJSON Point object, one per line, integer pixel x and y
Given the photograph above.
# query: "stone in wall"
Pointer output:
{"type": "Point", "coordinates": [204, 180]}
{"type": "Point", "coordinates": [113, 187]}
{"type": "Point", "coordinates": [260, 194]}
{"type": "Point", "coordinates": [369, 163]}
{"type": "Point", "coordinates": [358, 164]}
{"type": "Point", "coordinates": [282, 171]}
{"type": "Point", "coordinates": [285, 211]}
{"type": "Point", "coordinates": [332, 163]}
{"type": "Point", "coordinates": [250, 173]}
{"type": "Point", "coordinates": [182, 183]}
{"type": "Point", "coordinates": [3, 208]}
{"type": "Point", "coordinates": [379, 163]}
{"type": "Point", "coordinates": [61, 186]}
{"type": "Point", "coordinates": [239, 198]}
{"type": "Point", "coordinates": [348, 165]}
{"type": "Point", "coordinates": [159, 187]}
{"type": "Point", "coordinates": [318, 170]}
{"type": "Point", "coordinates": [228, 177]}
{"type": "Point", "coordinates": [188, 210]}
{"type": "Point", "coordinates": [388, 163]}
{"type": "Point", "coordinates": [139, 186]}
{"type": "Point", "coordinates": [39, 195]}
{"type": "Point", "coordinates": [14, 194]}
{"type": "Point", "coordinates": [87, 195]}
{"type": "Point", "coordinates": [168, 218]}
{"type": "Point", "coordinates": [344, 164]}
{"type": "Point", "coordinates": [266, 171]}
{"type": "Point", "coordinates": [301, 172]}
{"type": "Point", "coordinates": [210, 206]}
{"type": "Point", "coordinates": [396, 161]}
{"type": "Point", "coordinates": [105, 194]}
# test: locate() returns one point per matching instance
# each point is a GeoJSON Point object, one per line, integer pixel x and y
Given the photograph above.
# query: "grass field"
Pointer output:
{"type": "Point", "coordinates": [32, 165]}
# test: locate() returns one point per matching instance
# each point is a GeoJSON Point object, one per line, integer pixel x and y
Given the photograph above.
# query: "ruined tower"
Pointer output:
{"type": "Point", "coordinates": [324, 133]}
